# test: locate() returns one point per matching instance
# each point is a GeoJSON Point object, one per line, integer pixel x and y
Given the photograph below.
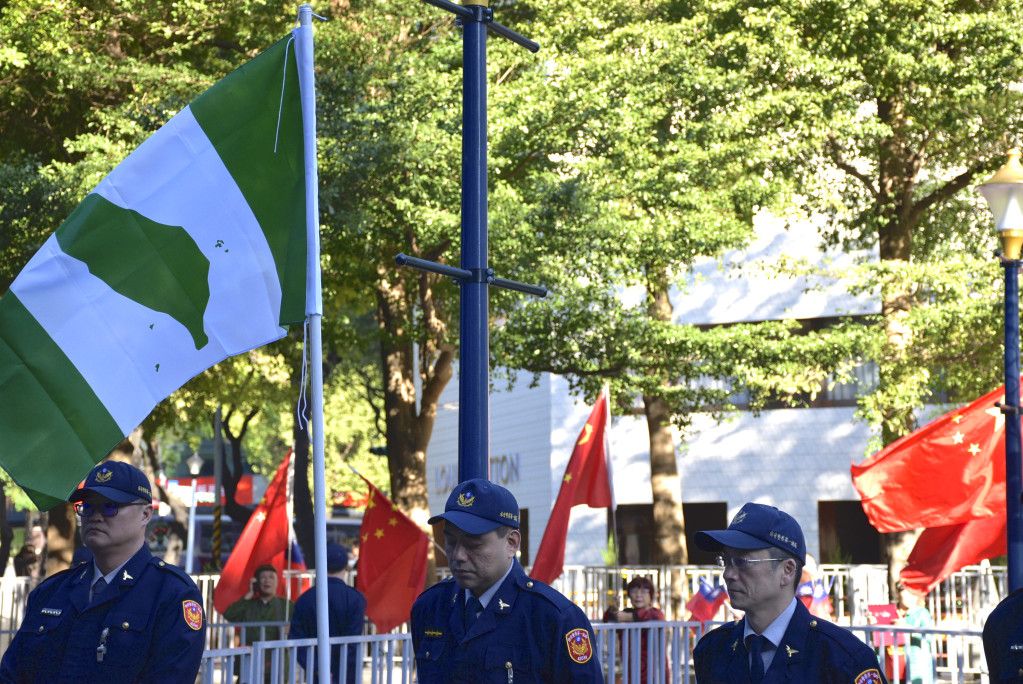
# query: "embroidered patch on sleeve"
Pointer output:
{"type": "Point", "coordinates": [869, 677]}
{"type": "Point", "coordinates": [579, 648]}
{"type": "Point", "coordinates": [193, 614]}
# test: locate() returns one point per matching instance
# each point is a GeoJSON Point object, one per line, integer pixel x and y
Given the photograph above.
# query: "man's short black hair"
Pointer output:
{"type": "Point", "coordinates": [266, 567]}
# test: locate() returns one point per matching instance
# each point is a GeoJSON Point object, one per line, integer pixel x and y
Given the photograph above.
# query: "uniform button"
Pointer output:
{"type": "Point", "coordinates": [162, 564]}
{"type": "Point", "coordinates": [813, 623]}
{"type": "Point", "coordinates": [427, 653]}
{"type": "Point", "coordinates": [529, 585]}
{"type": "Point", "coordinates": [41, 628]}
{"type": "Point", "coordinates": [125, 625]}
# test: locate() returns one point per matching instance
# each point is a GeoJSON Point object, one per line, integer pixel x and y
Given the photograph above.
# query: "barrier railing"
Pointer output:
{"type": "Point", "coordinates": [637, 653]}
{"type": "Point", "coordinates": [966, 597]}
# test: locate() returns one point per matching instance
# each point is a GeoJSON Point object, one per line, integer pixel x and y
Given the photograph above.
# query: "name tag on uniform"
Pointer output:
{"type": "Point", "coordinates": [50, 611]}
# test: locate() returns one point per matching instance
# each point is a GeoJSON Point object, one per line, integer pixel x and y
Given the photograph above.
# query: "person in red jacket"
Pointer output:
{"type": "Point", "coordinates": [642, 595]}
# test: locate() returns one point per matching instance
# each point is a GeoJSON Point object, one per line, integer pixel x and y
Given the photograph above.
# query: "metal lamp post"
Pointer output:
{"type": "Point", "coordinates": [1004, 195]}
{"type": "Point", "coordinates": [194, 463]}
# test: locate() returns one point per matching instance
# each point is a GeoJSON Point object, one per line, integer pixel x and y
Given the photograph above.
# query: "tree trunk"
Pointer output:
{"type": "Point", "coordinates": [665, 483]}
{"type": "Point", "coordinates": [6, 533]}
{"type": "Point", "coordinates": [408, 431]}
{"type": "Point", "coordinates": [898, 169]}
{"type": "Point", "coordinates": [232, 476]}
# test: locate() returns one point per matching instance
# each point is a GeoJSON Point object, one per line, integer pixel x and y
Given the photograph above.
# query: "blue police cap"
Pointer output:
{"type": "Point", "coordinates": [337, 557]}
{"type": "Point", "coordinates": [478, 506]}
{"type": "Point", "coordinates": [757, 526]}
{"type": "Point", "coordinates": [117, 481]}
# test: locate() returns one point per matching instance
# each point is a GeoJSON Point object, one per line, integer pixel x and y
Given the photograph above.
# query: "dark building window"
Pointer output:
{"type": "Point", "coordinates": [845, 535]}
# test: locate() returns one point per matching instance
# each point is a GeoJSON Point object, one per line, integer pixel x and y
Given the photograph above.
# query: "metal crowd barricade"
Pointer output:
{"type": "Point", "coordinates": [964, 598]}
{"type": "Point", "coordinates": [388, 658]}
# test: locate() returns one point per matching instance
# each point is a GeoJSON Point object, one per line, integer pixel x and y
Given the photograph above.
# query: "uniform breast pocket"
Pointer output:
{"type": "Point", "coordinates": [427, 658]}
{"type": "Point", "coordinates": [508, 664]}
{"type": "Point", "coordinates": [124, 639]}
{"type": "Point", "coordinates": [39, 631]}
{"type": "Point", "coordinates": [1011, 669]}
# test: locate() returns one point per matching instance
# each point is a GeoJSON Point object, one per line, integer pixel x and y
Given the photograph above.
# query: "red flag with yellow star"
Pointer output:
{"type": "Point", "coordinates": [265, 540]}
{"type": "Point", "coordinates": [587, 480]}
{"type": "Point", "coordinates": [392, 561]}
{"type": "Point", "coordinates": [949, 472]}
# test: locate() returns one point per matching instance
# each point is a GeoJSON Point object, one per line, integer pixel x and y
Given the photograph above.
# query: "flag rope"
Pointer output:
{"type": "Point", "coordinates": [284, 83]}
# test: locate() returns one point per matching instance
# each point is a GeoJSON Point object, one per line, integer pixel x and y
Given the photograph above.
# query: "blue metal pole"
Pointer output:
{"type": "Point", "coordinates": [474, 357]}
{"type": "Point", "coordinates": [1013, 446]}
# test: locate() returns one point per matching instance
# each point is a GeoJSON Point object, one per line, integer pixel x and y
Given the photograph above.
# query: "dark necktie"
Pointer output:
{"type": "Point", "coordinates": [472, 607]}
{"type": "Point", "coordinates": [98, 588]}
{"type": "Point", "coordinates": [756, 667]}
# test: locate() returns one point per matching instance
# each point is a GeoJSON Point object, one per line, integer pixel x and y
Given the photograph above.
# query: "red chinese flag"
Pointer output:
{"type": "Point", "coordinates": [587, 481]}
{"type": "Point", "coordinates": [950, 471]}
{"type": "Point", "coordinates": [940, 551]}
{"type": "Point", "coordinates": [392, 562]}
{"type": "Point", "coordinates": [265, 539]}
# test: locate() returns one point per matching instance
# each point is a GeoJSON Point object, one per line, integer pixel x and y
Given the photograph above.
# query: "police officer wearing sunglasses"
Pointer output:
{"type": "Point", "coordinates": [126, 616]}
{"type": "Point", "coordinates": [762, 553]}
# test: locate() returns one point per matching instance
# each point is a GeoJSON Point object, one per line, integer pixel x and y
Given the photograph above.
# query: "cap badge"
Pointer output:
{"type": "Point", "coordinates": [104, 475]}
{"type": "Point", "coordinates": [466, 500]}
{"type": "Point", "coordinates": [739, 517]}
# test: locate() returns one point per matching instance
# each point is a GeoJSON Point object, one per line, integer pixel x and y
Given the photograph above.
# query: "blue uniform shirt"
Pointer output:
{"type": "Point", "coordinates": [346, 611]}
{"type": "Point", "coordinates": [1003, 640]}
{"type": "Point", "coordinates": [528, 632]}
{"type": "Point", "coordinates": [147, 626]}
{"type": "Point", "coordinates": [812, 650]}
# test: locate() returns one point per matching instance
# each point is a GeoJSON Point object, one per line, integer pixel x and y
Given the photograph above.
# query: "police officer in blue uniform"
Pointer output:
{"type": "Point", "coordinates": [1003, 639]}
{"type": "Point", "coordinates": [762, 553]}
{"type": "Point", "coordinates": [490, 622]}
{"type": "Point", "coordinates": [346, 616]}
{"type": "Point", "coordinates": [123, 617]}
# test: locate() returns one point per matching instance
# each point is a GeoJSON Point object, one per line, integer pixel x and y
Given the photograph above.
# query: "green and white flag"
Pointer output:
{"type": "Point", "coordinates": [193, 249]}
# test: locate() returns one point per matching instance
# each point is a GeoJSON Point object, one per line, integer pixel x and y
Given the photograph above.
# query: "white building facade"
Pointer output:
{"type": "Point", "coordinates": [795, 459]}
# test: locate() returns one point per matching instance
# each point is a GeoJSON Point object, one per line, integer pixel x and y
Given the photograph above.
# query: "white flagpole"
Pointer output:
{"type": "Point", "coordinates": [314, 310]}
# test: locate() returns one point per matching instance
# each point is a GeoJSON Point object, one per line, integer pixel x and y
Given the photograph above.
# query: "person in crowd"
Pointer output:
{"type": "Point", "coordinates": [777, 640]}
{"type": "Point", "coordinates": [919, 649]}
{"type": "Point", "coordinates": [346, 610]}
{"type": "Point", "coordinates": [489, 621]}
{"type": "Point", "coordinates": [25, 561]}
{"type": "Point", "coordinates": [38, 536]}
{"type": "Point", "coordinates": [642, 595]}
{"type": "Point", "coordinates": [124, 617]}
{"type": "Point", "coordinates": [259, 605]}
{"type": "Point", "coordinates": [1003, 639]}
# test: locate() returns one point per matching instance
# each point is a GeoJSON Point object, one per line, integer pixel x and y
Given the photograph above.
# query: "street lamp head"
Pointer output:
{"type": "Point", "coordinates": [1004, 195]}
{"type": "Point", "coordinates": [194, 463]}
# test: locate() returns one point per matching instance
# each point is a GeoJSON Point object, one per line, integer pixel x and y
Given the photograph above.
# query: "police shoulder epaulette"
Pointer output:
{"type": "Point", "coordinates": [439, 585]}
{"type": "Point", "coordinates": [171, 568]}
{"type": "Point", "coordinates": [540, 589]}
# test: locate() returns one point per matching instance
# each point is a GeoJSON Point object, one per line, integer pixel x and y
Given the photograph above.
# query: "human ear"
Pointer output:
{"type": "Point", "coordinates": [514, 541]}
